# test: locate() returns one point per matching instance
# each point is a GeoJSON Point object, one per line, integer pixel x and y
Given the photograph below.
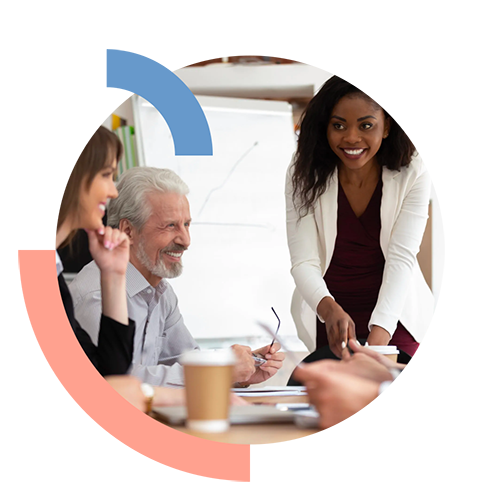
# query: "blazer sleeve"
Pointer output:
{"type": "Point", "coordinates": [113, 353]}
{"type": "Point", "coordinates": [303, 245]}
{"type": "Point", "coordinates": [404, 244]}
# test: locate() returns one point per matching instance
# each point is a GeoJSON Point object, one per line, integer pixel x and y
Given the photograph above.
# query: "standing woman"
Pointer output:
{"type": "Point", "coordinates": [357, 199]}
{"type": "Point", "coordinates": [83, 205]}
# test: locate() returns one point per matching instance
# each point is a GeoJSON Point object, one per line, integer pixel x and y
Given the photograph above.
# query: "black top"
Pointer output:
{"type": "Point", "coordinates": [356, 270]}
{"type": "Point", "coordinates": [113, 353]}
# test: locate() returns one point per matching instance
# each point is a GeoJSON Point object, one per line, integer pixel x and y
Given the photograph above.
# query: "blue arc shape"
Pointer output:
{"type": "Point", "coordinates": [67, 75]}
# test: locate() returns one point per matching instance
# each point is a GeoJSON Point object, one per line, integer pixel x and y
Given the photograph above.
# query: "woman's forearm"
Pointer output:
{"type": "Point", "coordinates": [325, 308]}
{"type": "Point", "coordinates": [114, 297]}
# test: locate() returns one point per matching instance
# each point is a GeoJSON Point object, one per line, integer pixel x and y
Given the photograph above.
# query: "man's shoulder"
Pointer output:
{"type": "Point", "coordinates": [86, 281]}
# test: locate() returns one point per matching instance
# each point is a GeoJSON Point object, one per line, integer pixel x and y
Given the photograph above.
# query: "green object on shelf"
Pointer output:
{"type": "Point", "coordinates": [129, 158]}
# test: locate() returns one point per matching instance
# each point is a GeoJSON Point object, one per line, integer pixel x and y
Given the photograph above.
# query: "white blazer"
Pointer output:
{"type": "Point", "coordinates": [404, 295]}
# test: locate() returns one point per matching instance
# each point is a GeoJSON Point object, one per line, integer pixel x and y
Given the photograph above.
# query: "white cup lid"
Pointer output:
{"type": "Point", "coordinates": [384, 349]}
{"type": "Point", "coordinates": [220, 357]}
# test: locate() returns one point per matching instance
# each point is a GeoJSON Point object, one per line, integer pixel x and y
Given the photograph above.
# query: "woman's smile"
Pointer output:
{"type": "Point", "coordinates": [102, 208]}
{"type": "Point", "coordinates": [353, 154]}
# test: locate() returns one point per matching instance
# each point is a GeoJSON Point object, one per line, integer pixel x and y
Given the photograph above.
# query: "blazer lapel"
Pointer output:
{"type": "Point", "coordinates": [327, 211]}
{"type": "Point", "coordinates": [390, 196]}
{"type": "Point", "coordinates": [326, 219]}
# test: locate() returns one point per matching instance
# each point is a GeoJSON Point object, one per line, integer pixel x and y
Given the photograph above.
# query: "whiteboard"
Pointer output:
{"type": "Point", "coordinates": [238, 265]}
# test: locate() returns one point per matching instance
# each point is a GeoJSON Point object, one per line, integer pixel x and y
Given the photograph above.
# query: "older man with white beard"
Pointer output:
{"type": "Point", "coordinates": [152, 208]}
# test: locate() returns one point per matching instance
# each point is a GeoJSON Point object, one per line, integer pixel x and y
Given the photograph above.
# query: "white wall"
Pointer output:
{"type": "Point", "coordinates": [266, 81]}
{"type": "Point", "coordinates": [125, 110]}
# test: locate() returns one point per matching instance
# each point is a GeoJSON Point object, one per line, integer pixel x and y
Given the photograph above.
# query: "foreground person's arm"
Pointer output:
{"type": "Point", "coordinates": [336, 396]}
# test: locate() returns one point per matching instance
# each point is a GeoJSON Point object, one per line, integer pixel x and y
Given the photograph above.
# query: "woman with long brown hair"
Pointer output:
{"type": "Point", "coordinates": [83, 205]}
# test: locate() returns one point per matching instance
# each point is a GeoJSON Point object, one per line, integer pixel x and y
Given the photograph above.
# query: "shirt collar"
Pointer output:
{"type": "Point", "coordinates": [136, 282]}
{"type": "Point", "coordinates": [59, 264]}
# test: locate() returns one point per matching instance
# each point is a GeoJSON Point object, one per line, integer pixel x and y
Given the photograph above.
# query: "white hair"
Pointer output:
{"type": "Point", "coordinates": [134, 186]}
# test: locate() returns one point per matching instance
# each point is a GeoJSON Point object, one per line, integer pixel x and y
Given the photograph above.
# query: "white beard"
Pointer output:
{"type": "Point", "coordinates": [159, 268]}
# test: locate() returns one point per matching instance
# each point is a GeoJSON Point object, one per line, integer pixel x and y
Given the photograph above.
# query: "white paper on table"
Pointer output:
{"type": "Point", "coordinates": [270, 394]}
{"type": "Point", "coordinates": [272, 388]}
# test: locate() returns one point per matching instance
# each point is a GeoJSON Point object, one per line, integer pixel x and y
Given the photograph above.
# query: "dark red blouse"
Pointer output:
{"type": "Point", "coordinates": [355, 273]}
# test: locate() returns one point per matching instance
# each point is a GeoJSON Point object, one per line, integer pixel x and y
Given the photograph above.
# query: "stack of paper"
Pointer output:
{"type": "Point", "coordinates": [272, 390]}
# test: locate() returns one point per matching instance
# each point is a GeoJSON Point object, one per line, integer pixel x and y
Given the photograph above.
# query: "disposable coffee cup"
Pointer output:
{"type": "Point", "coordinates": [391, 351]}
{"type": "Point", "coordinates": [208, 379]}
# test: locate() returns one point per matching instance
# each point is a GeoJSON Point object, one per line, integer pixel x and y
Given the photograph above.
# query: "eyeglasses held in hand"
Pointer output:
{"type": "Point", "coordinates": [277, 329]}
{"type": "Point", "coordinates": [294, 358]}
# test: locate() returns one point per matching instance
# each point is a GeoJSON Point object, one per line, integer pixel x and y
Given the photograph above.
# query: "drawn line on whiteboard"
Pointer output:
{"type": "Point", "coordinates": [227, 177]}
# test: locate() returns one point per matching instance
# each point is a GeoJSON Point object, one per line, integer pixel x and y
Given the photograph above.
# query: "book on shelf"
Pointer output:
{"type": "Point", "coordinates": [129, 158]}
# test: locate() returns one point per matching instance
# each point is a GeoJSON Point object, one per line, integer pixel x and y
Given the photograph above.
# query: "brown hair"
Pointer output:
{"type": "Point", "coordinates": [54, 162]}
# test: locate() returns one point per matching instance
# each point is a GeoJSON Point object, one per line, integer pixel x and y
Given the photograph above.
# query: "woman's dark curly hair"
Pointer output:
{"type": "Point", "coordinates": [315, 162]}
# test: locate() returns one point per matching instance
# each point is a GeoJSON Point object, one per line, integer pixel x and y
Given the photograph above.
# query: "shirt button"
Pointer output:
{"type": "Point", "coordinates": [148, 290]}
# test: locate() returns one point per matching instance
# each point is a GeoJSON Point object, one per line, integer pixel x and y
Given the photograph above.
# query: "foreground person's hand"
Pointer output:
{"type": "Point", "coordinates": [235, 400]}
{"type": "Point", "coordinates": [167, 396]}
{"type": "Point", "coordinates": [163, 396]}
{"type": "Point", "coordinates": [361, 365]}
{"type": "Point", "coordinates": [129, 388]}
{"type": "Point", "coordinates": [383, 360]}
{"type": "Point", "coordinates": [336, 395]}
{"type": "Point", "coordinates": [358, 365]}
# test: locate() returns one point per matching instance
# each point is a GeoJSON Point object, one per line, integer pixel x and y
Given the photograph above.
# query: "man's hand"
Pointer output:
{"type": "Point", "coordinates": [274, 361]}
{"type": "Point", "coordinates": [245, 365]}
{"type": "Point", "coordinates": [245, 371]}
